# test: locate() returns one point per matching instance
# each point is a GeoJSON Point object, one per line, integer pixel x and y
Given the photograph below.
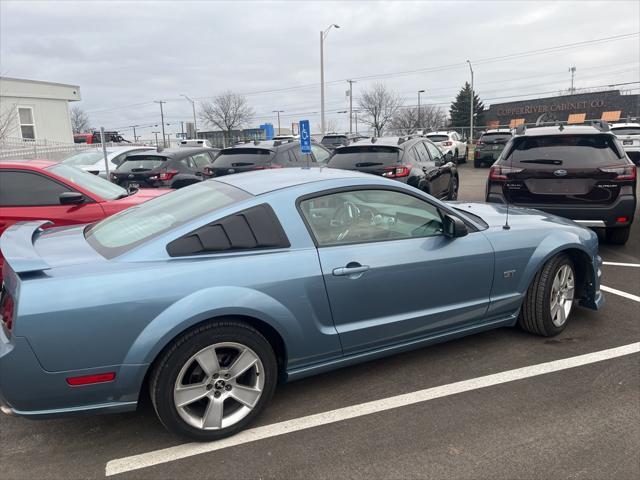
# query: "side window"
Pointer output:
{"type": "Point", "coordinates": [436, 154]}
{"type": "Point", "coordinates": [362, 216]}
{"type": "Point", "coordinates": [25, 189]}
{"type": "Point", "coordinates": [253, 228]}
{"type": "Point", "coordinates": [320, 154]}
{"type": "Point", "coordinates": [295, 154]}
{"type": "Point", "coordinates": [187, 162]}
{"type": "Point", "coordinates": [201, 159]}
{"type": "Point", "coordinates": [421, 152]}
{"type": "Point", "coordinates": [27, 123]}
{"type": "Point", "coordinates": [119, 159]}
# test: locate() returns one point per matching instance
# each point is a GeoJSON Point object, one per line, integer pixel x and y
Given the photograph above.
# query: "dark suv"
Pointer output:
{"type": "Point", "coordinates": [261, 155]}
{"type": "Point", "coordinates": [335, 140]}
{"type": "Point", "coordinates": [489, 146]}
{"type": "Point", "coordinates": [415, 161]}
{"type": "Point", "coordinates": [578, 172]}
{"type": "Point", "coordinates": [170, 168]}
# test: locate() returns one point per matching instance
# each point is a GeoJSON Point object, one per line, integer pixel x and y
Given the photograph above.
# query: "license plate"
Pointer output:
{"type": "Point", "coordinates": [496, 147]}
{"type": "Point", "coordinates": [627, 142]}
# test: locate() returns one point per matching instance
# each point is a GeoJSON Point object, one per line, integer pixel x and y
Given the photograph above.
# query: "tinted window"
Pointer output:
{"type": "Point", "coordinates": [201, 159]}
{"type": "Point", "coordinates": [29, 189]}
{"type": "Point", "coordinates": [187, 163]}
{"type": "Point", "coordinates": [626, 131]}
{"type": "Point", "coordinates": [363, 216]}
{"type": "Point", "coordinates": [434, 151]}
{"type": "Point", "coordinates": [242, 157]}
{"type": "Point", "coordinates": [141, 163]}
{"type": "Point", "coordinates": [495, 137]}
{"type": "Point", "coordinates": [96, 185]}
{"type": "Point", "coordinates": [320, 154]}
{"type": "Point", "coordinates": [296, 155]}
{"type": "Point", "coordinates": [438, 138]}
{"type": "Point", "coordinates": [364, 156]}
{"type": "Point", "coordinates": [334, 140]}
{"type": "Point", "coordinates": [421, 152]}
{"type": "Point", "coordinates": [565, 150]}
{"type": "Point", "coordinates": [125, 230]}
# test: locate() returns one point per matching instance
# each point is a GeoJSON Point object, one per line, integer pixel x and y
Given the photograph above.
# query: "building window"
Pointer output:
{"type": "Point", "coordinates": [27, 125]}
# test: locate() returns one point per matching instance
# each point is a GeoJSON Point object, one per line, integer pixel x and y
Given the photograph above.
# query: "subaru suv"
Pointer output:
{"type": "Point", "coordinates": [629, 135]}
{"type": "Point", "coordinates": [578, 172]}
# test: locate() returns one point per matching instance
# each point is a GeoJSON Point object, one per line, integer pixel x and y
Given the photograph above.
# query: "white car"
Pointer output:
{"type": "Point", "coordinates": [194, 143]}
{"type": "Point", "coordinates": [450, 142]}
{"type": "Point", "coordinates": [629, 136]}
{"type": "Point", "coordinates": [92, 161]}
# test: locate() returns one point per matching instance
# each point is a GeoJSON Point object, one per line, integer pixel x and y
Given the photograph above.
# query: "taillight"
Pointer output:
{"type": "Point", "coordinates": [447, 144]}
{"type": "Point", "coordinates": [164, 175]}
{"type": "Point", "coordinates": [91, 379]}
{"type": "Point", "coordinates": [6, 311]}
{"type": "Point", "coordinates": [623, 172]}
{"type": "Point", "coordinates": [500, 172]}
{"type": "Point", "coordinates": [396, 172]}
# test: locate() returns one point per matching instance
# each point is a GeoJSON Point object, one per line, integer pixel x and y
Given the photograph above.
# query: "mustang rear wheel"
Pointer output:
{"type": "Point", "coordinates": [214, 380]}
{"type": "Point", "coordinates": [549, 299]}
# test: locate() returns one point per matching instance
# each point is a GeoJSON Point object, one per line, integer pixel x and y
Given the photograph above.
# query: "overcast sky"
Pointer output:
{"type": "Point", "coordinates": [124, 55]}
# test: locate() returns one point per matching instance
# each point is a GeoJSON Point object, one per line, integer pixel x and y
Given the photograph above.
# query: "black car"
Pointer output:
{"type": "Point", "coordinates": [170, 168]}
{"type": "Point", "coordinates": [261, 155]}
{"type": "Point", "coordinates": [415, 161]}
{"type": "Point", "coordinates": [489, 146]}
{"type": "Point", "coordinates": [578, 172]}
{"type": "Point", "coordinates": [335, 140]}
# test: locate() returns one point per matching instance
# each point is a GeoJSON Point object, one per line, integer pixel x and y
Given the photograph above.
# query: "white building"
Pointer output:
{"type": "Point", "coordinates": [34, 110]}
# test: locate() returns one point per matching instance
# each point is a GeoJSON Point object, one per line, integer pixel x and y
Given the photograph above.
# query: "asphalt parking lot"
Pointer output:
{"type": "Point", "coordinates": [578, 422]}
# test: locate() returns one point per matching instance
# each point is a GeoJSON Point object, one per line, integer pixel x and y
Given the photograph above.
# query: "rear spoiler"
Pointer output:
{"type": "Point", "coordinates": [17, 246]}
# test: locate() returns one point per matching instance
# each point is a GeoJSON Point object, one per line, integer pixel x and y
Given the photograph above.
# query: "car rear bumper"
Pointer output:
{"type": "Point", "coordinates": [588, 215]}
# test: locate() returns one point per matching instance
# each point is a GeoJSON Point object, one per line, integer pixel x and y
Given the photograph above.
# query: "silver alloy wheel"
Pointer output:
{"type": "Point", "coordinates": [562, 290]}
{"type": "Point", "coordinates": [219, 386]}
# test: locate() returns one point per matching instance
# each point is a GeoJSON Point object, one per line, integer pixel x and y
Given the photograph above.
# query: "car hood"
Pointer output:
{"type": "Point", "coordinates": [495, 215]}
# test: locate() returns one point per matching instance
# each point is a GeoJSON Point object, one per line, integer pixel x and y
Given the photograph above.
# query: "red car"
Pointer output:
{"type": "Point", "coordinates": [42, 190]}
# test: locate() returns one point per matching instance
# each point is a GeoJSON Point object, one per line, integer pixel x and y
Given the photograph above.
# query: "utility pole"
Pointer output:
{"type": "Point", "coordinates": [156, 134]}
{"type": "Point", "coordinates": [323, 35]}
{"type": "Point", "coordinates": [135, 137]}
{"type": "Point", "coordinates": [573, 72]}
{"type": "Point", "coordinates": [419, 110]}
{"type": "Point", "coordinates": [193, 106]}
{"type": "Point", "coordinates": [351, 82]}
{"type": "Point", "coordinates": [471, 106]}
{"type": "Point", "coordinates": [278, 112]}
{"type": "Point", "coordinates": [162, 118]}
{"type": "Point", "coordinates": [182, 129]}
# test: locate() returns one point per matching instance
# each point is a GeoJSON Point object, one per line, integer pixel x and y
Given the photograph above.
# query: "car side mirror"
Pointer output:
{"type": "Point", "coordinates": [71, 198]}
{"type": "Point", "coordinates": [454, 227]}
{"type": "Point", "coordinates": [448, 157]}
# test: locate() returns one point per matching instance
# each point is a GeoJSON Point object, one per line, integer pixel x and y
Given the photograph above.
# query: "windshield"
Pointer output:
{"type": "Point", "coordinates": [122, 232]}
{"type": "Point", "coordinates": [362, 157]}
{"type": "Point", "coordinates": [96, 185]}
{"type": "Point", "coordinates": [565, 150]}
{"type": "Point", "coordinates": [438, 138]}
{"type": "Point", "coordinates": [334, 140]}
{"type": "Point", "coordinates": [85, 158]}
{"type": "Point", "coordinates": [141, 163]}
{"type": "Point", "coordinates": [496, 137]}
{"type": "Point", "coordinates": [242, 157]}
{"type": "Point", "coordinates": [626, 131]}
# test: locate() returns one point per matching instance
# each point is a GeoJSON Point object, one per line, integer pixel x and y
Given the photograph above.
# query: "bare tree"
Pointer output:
{"type": "Point", "coordinates": [407, 121]}
{"type": "Point", "coordinates": [378, 106]}
{"type": "Point", "coordinates": [227, 111]}
{"type": "Point", "coordinates": [7, 125]}
{"type": "Point", "coordinates": [79, 119]}
{"type": "Point", "coordinates": [330, 126]}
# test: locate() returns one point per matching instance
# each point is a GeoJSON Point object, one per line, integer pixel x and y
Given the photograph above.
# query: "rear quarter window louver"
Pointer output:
{"type": "Point", "coordinates": [254, 228]}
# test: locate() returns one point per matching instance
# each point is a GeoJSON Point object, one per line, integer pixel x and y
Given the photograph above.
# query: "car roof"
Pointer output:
{"type": "Point", "coordinates": [399, 142]}
{"type": "Point", "coordinates": [440, 132]}
{"type": "Point", "coordinates": [20, 163]}
{"type": "Point", "coordinates": [563, 130]}
{"type": "Point", "coordinates": [174, 152]}
{"type": "Point", "coordinates": [272, 145]}
{"type": "Point", "coordinates": [622, 125]}
{"type": "Point", "coordinates": [498, 130]}
{"type": "Point", "coordinates": [264, 181]}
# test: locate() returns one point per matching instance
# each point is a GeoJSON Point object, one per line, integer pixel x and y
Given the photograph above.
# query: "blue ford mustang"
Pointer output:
{"type": "Point", "coordinates": [210, 295]}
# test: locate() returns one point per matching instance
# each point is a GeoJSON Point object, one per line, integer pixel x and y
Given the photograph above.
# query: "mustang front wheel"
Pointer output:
{"type": "Point", "coordinates": [549, 298]}
{"type": "Point", "coordinates": [214, 380]}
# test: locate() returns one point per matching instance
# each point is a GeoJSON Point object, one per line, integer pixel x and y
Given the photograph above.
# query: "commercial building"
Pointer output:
{"type": "Point", "coordinates": [610, 105]}
{"type": "Point", "coordinates": [35, 110]}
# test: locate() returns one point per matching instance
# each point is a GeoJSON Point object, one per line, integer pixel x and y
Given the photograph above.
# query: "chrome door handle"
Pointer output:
{"type": "Point", "coordinates": [350, 269]}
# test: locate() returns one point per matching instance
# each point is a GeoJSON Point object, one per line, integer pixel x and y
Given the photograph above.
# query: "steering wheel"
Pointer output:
{"type": "Point", "coordinates": [346, 215]}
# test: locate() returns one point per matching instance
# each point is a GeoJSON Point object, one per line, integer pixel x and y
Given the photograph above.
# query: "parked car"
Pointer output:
{"type": "Point", "coordinates": [266, 154]}
{"type": "Point", "coordinates": [578, 172]}
{"type": "Point", "coordinates": [414, 161]}
{"type": "Point", "coordinates": [95, 137]}
{"type": "Point", "coordinates": [450, 141]}
{"type": "Point", "coordinates": [92, 161]}
{"type": "Point", "coordinates": [490, 145]}
{"type": "Point", "coordinates": [272, 275]}
{"type": "Point", "coordinates": [629, 136]}
{"type": "Point", "coordinates": [194, 143]}
{"type": "Point", "coordinates": [42, 190]}
{"type": "Point", "coordinates": [170, 168]}
{"type": "Point", "coordinates": [332, 141]}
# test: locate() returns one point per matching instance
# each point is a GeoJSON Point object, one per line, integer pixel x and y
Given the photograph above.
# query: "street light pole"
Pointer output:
{"type": "Point", "coordinates": [164, 143]}
{"type": "Point", "coordinates": [323, 35]}
{"type": "Point", "coordinates": [419, 110]}
{"type": "Point", "coordinates": [471, 106]}
{"type": "Point", "coordinates": [193, 105]}
{"type": "Point", "coordinates": [156, 134]}
{"type": "Point", "coordinates": [278, 112]}
{"type": "Point", "coordinates": [351, 82]}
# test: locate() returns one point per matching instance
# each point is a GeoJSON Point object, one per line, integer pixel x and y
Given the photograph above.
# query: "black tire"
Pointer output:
{"type": "Point", "coordinates": [618, 236]}
{"type": "Point", "coordinates": [535, 314]}
{"type": "Point", "coordinates": [453, 188]}
{"type": "Point", "coordinates": [169, 365]}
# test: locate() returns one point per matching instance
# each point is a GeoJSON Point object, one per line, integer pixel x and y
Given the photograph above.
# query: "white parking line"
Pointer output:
{"type": "Point", "coordinates": [618, 264]}
{"type": "Point", "coordinates": [178, 452]}
{"type": "Point", "coordinates": [620, 292]}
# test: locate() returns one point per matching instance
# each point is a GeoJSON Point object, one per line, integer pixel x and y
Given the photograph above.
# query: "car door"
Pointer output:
{"type": "Point", "coordinates": [29, 195]}
{"type": "Point", "coordinates": [391, 275]}
{"type": "Point", "coordinates": [440, 173]}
